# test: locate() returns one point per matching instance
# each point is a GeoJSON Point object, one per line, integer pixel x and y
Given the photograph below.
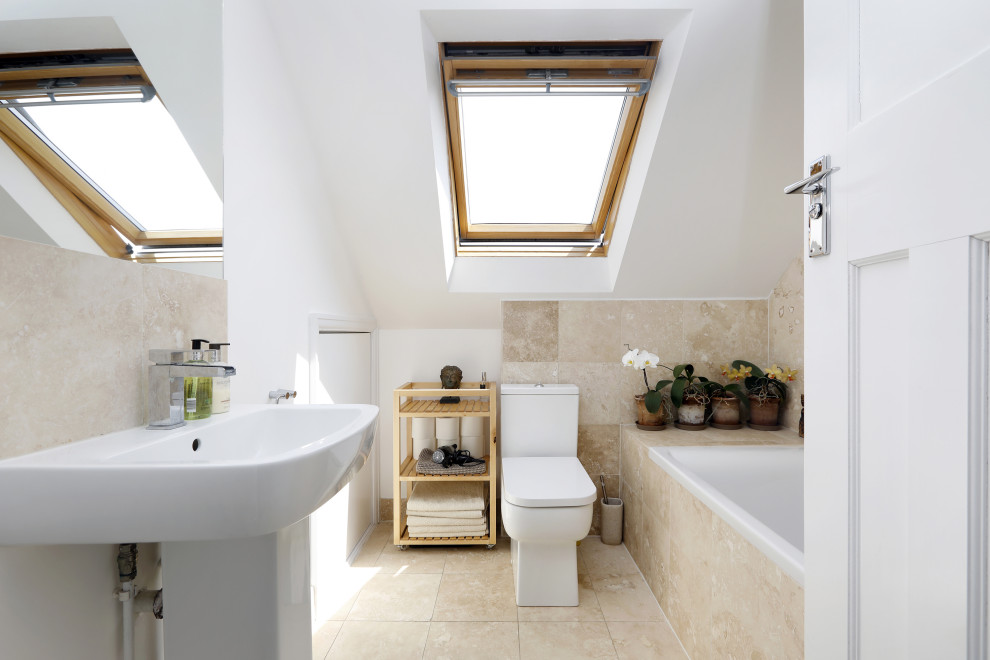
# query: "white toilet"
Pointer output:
{"type": "Point", "coordinates": [547, 496]}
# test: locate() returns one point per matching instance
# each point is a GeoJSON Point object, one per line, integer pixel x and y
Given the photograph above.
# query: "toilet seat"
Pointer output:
{"type": "Point", "coordinates": [546, 481]}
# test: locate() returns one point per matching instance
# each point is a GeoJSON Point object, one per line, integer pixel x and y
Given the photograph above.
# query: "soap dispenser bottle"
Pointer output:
{"type": "Point", "coordinates": [198, 390]}
{"type": "Point", "coordinates": [221, 384]}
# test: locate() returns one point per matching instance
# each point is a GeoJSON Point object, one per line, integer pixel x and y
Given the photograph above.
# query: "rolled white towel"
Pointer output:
{"type": "Point", "coordinates": [448, 430]}
{"type": "Point", "coordinates": [474, 444]}
{"type": "Point", "coordinates": [473, 426]}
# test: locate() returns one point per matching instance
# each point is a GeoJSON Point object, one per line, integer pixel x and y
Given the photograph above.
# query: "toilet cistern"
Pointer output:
{"type": "Point", "coordinates": [165, 382]}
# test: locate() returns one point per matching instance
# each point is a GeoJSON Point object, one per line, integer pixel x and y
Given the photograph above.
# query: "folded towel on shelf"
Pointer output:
{"type": "Point", "coordinates": [436, 521]}
{"type": "Point", "coordinates": [456, 530]}
{"type": "Point", "coordinates": [443, 515]}
{"type": "Point", "coordinates": [430, 496]}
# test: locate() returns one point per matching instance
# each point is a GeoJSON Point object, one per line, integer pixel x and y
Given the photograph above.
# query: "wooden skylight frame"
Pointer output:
{"type": "Point", "coordinates": [98, 216]}
{"type": "Point", "coordinates": [634, 61]}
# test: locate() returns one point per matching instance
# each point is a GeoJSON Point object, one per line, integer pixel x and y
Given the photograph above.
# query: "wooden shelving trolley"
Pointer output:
{"type": "Point", "coordinates": [423, 400]}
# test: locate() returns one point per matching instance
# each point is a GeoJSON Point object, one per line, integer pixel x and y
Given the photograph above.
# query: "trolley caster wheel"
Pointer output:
{"type": "Point", "coordinates": [490, 546]}
{"type": "Point", "coordinates": [402, 547]}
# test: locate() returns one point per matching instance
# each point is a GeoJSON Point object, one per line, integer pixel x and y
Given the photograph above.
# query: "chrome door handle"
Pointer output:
{"type": "Point", "coordinates": [809, 186]}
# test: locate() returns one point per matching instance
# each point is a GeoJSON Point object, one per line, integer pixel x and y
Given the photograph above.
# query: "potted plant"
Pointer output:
{"type": "Point", "coordinates": [728, 400]}
{"type": "Point", "coordinates": [651, 413]}
{"type": "Point", "coordinates": [765, 390]}
{"type": "Point", "coordinates": [690, 394]}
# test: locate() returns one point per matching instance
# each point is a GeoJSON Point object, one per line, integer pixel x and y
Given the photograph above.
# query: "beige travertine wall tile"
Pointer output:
{"type": "Point", "coordinates": [589, 331]}
{"type": "Point", "coordinates": [787, 335]}
{"type": "Point", "coordinates": [600, 393]}
{"type": "Point", "coordinates": [687, 601]}
{"type": "Point", "coordinates": [757, 610]}
{"type": "Point", "coordinates": [385, 509]}
{"type": "Point", "coordinates": [70, 337]}
{"type": "Point", "coordinates": [529, 331]}
{"type": "Point", "coordinates": [656, 528]}
{"type": "Point", "coordinates": [180, 307]}
{"type": "Point", "coordinates": [79, 323]}
{"type": "Point", "coordinates": [632, 526]}
{"type": "Point", "coordinates": [723, 330]}
{"type": "Point", "coordinates": [656, 326]}
{"type": "Point", "coordinates": [529, 372]}
{"type": "Point", "coordinates": [598, 448]}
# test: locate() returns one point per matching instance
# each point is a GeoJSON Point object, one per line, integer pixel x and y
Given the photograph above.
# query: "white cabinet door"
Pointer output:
{"type": "Point", "coordinates": [898, 93]}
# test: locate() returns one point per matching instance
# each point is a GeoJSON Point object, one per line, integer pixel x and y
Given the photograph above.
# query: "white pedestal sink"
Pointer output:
{"type": "Point", "coordinates": [223, 495]}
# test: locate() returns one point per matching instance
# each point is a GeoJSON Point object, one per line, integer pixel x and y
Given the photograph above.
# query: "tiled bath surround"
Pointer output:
{"type": "Point", "coordinates": [75, 330]}
{"type": "Point", "coordinates": [581, 342]}
{"type": "Point", "coordinates": [723, 597]}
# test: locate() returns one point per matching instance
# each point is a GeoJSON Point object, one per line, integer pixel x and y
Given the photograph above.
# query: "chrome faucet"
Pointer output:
{"type": "Point", "coordinates": [278, 395]}
{"type": "Point", "coordinates": [166, 378]}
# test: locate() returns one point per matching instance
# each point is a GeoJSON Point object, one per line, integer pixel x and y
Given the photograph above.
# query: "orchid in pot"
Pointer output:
{"type": "Point", "coordinates": [729, 399]}
{"type": "Point", "coordinates": [650, 408]}
{"type": "Point", "coordinates": [765, 390]}
{"type": "Point", "coordinates": [690, 394]}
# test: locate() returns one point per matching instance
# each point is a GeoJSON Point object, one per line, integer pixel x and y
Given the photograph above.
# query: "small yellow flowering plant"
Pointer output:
{"type": "Point", "coordinates": [769, 384]}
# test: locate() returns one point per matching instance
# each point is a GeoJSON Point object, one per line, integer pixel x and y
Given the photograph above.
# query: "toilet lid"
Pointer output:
{"type": "Point", "coordinates": [540, 481]}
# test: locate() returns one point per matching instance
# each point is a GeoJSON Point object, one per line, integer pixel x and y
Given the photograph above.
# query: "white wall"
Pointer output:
{"type": "Point", "coordinates": [282, 257]}
{"type": "Point", "coordinates": [418, 355]}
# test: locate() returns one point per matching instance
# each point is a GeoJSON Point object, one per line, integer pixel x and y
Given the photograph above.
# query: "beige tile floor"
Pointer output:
{"type": "Point", "coordinates": [458, 602]}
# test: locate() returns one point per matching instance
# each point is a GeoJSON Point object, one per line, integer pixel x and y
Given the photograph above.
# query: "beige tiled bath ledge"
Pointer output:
{"type": "Point", "coordinates": [675, 437]}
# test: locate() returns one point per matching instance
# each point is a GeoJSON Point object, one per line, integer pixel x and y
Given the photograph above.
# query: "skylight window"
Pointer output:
{"type": "Point", "coordinates": [137, 156]}
{"type": "Point", "coordinates": [91, 127]}
{"type": "Point", "coordinates": [540, 137]}
{"type": "Point", "coordinates": [552, 152]}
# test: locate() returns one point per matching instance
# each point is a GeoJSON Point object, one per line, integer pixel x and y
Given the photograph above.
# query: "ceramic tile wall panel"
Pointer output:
{"type": "Point", "coordinates": [719, 331]}
{"type": "Point", "coordinates": [75, 330]}
{"type": "Point", "coordinates": [757, 611]}
{"type": "Point", "coordinates": [787, 335]}
{"type": "Point", "coordinates": [657, 326]}
{"type": "Point", "coordinates": [588, 330]}
{"type": "Point", "coordinates": [529, 372]}
{"type": "Point", "coordinates": [688, 600]}
{"type": "Point", "coordinates": [529, 331]}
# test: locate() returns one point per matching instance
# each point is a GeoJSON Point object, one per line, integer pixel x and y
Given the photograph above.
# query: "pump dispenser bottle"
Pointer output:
{"type": "Point", "coordinates": [221, 384]}
{"type": "Point", "coordinates": [198, 390]}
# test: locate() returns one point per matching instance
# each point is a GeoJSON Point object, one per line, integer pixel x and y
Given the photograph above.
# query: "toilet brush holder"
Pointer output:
{"type": "Point", "coordinates": [611, 520]}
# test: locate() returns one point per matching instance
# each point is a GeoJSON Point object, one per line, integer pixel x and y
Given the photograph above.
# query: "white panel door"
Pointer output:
{"type": "Point", "coordinates": [898, 93]}
{"type": "Point", "coordinates": [343, 362]}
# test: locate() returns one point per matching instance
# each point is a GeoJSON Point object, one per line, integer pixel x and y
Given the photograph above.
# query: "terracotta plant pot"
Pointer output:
{"type": "Point", "coordinates": [763, 413]}
{"type": "Point", "coordinates": [691, 412]}
{"type": "Point", "coordinates": [644, 417]}
{"type": "Point", "coordinates": [725, 412]}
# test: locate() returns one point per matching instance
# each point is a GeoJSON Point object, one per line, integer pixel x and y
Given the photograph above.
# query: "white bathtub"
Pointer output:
{"type": "Point", "coordinates": [758, 490]}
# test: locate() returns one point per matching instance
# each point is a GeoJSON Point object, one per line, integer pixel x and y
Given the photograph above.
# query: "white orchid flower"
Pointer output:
{"type": "Point", "coordinates": [640, 361]}
{"type": "Point", "coordinates": [651, 359]}
{"type": "Point", "coordinates": [629, 359]}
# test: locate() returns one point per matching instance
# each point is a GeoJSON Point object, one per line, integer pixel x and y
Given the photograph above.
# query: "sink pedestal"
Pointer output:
{"type": "Point", "coordinates": [243, 599]}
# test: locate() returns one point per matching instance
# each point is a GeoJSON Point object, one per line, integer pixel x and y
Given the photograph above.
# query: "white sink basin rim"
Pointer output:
{"type": "Point", "coordinates": [245, 473]}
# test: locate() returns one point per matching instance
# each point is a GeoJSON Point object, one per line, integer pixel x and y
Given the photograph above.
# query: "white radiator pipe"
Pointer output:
{"type": "Point", "coordinates": [126, 597]}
